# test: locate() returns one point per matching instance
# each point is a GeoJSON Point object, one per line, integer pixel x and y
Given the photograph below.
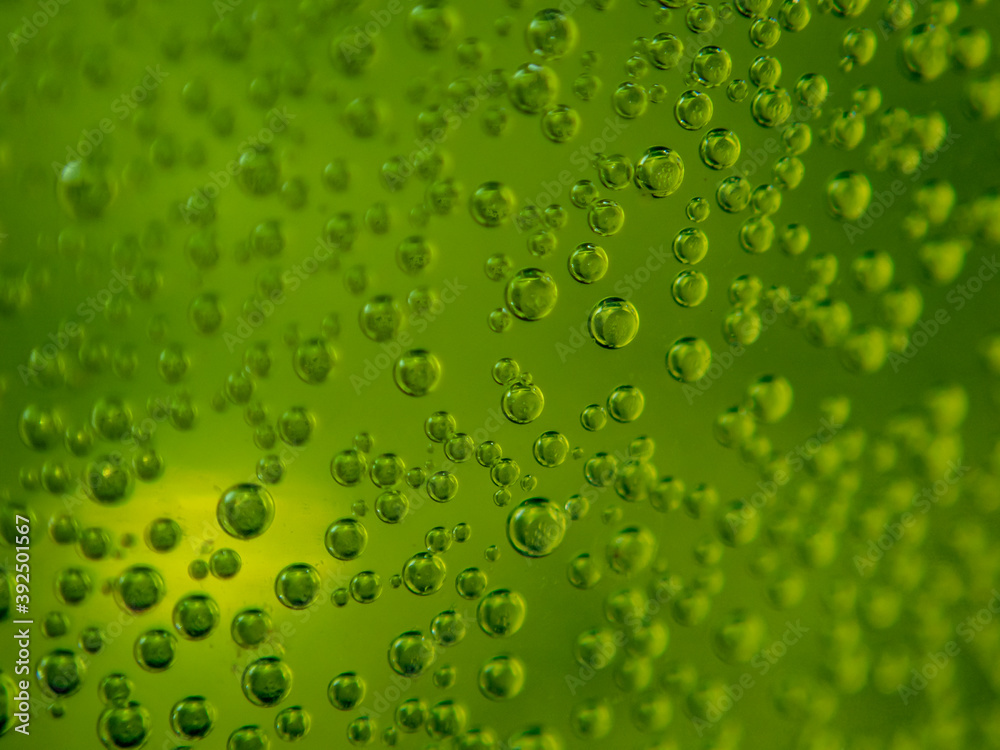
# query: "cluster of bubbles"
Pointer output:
{"type": "Point", "coordinates": [848, 484]}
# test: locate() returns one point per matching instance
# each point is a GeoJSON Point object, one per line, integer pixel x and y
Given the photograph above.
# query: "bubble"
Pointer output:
{"type": "Point", "coordinates": [769, 398]}
{"type": "Point", "coordinates": [314, 358]}
{"type": "Point", "coordinates": [689, 288]}
{"type": "Point", "coordinates": [522, 402]}
{"type": "Point", "coordinates": [700, 18]}
{"type": "Point", "coordinates": [630, 100]}
{"type": "Point", "coordinates": [551, 34]}
{"type": "Point", "coordinates": [927, 51]}
{"type": "Point", "coordinates": [381, 318]}
{"type": "Point", "coordinates": [250, 627]}
{"type": "Point", "coordinates": [665, 51]}
{"type": "Point", "coordinates": [689, 359]}
{"type": "Point", "coordinates": [712, 66]}
{"type": "Point", "coordinates": [606, 217]}
{"type": "Point", "coordinates": [111, 418]}
{"type": "Point", "coordinates": [60, 673]}
{"type": "Point", "coordinates": [625, 403]}
{"type": "Point", "coordinates": [115, 689]}
{"type": "Point", "coordinates": [417, 372]}
{"type": "Point", "coordinates": [533, 88]}
{"type": "Point", "coordinates": [583, 572]}
{"type": "Point", "coordinates": [346, 539]}
{"type": "Point", "coordinates": [693, 110]}
{"type": "Point", "coordinates": [550, 449]}
{"type": "Point", "coordinates": [849, 195]}
{"type": "Point", "coordinates": [348, 467]}
{"type": "Point", "coordinates": [424, 573]}
{"type": "Point", "coordinates": [248, 738]}
{"type": "Point", "coordinates": [561, 123]}
{"type": "Point", "coordinates": [733, 194]}
{"type": "Point", "coordinates": [192, 718]}
{"type": "Point", "coordinates": [631, 550]}
{"type": "Point", "coordinates": [690, 246]}
{"type": "Point", "coordinates": [757, 235]}
{"type": "Point", "coordinates": [595, 648]}
{"type": "Point", "coordinates": [431, 24]}
{"type": "Point", "coordinates": [442, 486]}
{"type": "Point", "coordinates": [124, 726]}
{"type": "Point", "coordinates": [155, 650]}
{"type": "Point", "coordinates": [297, 585]}
{"type": "Point", "coordinates": [660, 171]}
{"type": "Point", "coordinates": [410, 654]}
{"type": "Point", "coordinates": [267, 681]}
{"type": "Point", "coordinates": [765, 199]}
{"type": "Point", "coordinates": [505, 472]}
{"type": "Point", "coordinates": [292, 723]}
{"type": "Point", "coordinates": [505, 370]}
{"type": "Point", "coordinates": [531, 294]}
{"type": "Point", "coordinates": [84, 189]}
{"type": "Point", "coordinates": [94, 543]}
{"type": "Point", "coordinates": [245, 511]}
{"type": "Point", "coordinates": [583, 193]}
{"type": "Point", "coordinates": [501, 613]}
{"type": "Point", "coordinates": [438, 540]}
{"type": "Point", "coordinates": [470, 583]}
{"type": "Point", "coordinates": [616, 171]}
{"type": "Point", "coordinates": [971, 48]}
{"type": "Point", "coordinates": [488, 453]}
{"type": "Point", "coordinates": [346, 691]}
{"type": "Point", "coordinates": [140, 588]}
{"type": "Point", "coordinates": [391, 506]}
{"type": "Point", "coordinates": [108, 480]}
{"type": "Point", "coordinates": [38, 427]}
{"type": "Point", "coordinates": [794, 15]}
{"type": "Point", "coordinates": [613, 323]}
{"type": "Point", "coordinates": [195, 616]}
{"type": "Point", "coordinates": [501, 678]}
{"type": "Point", "coordinates": [771, 107]}
{"type": "Point", "coordinates": [591, 719]}
{"type": "Point", "coordinates": [295, 426]}
{"type": "Point", "coordinates": [720, 148]}
{"type": "Point", "coordinates": [536, 527]}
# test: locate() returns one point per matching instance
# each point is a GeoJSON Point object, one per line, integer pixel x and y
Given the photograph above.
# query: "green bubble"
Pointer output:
{"type": "Point", "coordinates": [245, 511]}
{"type": "Point", "coordinates": [297, 585]}
{"type": "Point", "coordinates": [613, 323]}
{"type": "Point", "coordinates": [195, 616]}
{"type": "Point", "coordinates": [501, 613]}
{"type": "Point", "coordinates": [267, 681]}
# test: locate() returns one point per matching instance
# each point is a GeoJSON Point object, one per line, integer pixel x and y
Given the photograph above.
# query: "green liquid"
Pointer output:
{"type": "Point", "coordinates": [487, 376]}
